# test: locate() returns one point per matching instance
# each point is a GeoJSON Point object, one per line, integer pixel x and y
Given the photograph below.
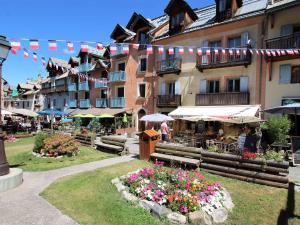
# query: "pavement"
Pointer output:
{"type": "Point", "coordinates": [24, 206]}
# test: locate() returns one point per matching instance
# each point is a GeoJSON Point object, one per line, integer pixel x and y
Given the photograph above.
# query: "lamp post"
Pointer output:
{"type": "Point", "coordinates": [4, 50]}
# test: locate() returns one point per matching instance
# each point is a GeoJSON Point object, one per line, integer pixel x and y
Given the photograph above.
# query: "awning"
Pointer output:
{"type": "Point", "coordinates": [233, 111]}
{"type": "Point", "coordinates": [96, 111]}
{"type": "Point", "coordinates": [24, 112]}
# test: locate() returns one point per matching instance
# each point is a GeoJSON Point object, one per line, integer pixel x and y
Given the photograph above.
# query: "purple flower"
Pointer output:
{"type": "Point", "coordinates": [183, 209]}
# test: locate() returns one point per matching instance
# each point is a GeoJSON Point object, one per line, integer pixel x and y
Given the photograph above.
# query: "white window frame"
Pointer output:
{"type": "Point", "coordinates": [138, 89]}
{"type": "Point", "coordinates": [139, 65]}
{"type": "Point", "coordinates": [118, 63]}
{"type": "Point", "coordinates": [116, 91]}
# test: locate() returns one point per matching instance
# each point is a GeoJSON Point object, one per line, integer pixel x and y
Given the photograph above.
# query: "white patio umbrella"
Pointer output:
{"type": "Point", "coordinates": [5, 112]}
{"type": "Point", "coordinates": [157, 117]}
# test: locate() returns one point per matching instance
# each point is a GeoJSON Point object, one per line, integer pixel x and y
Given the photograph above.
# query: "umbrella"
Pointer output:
{"type": "Point", "coordinates": [24, 112]}
{"type": "Point", "coordinates": [5, 112]}
{"type": "Point", "coordinates": [15, 93]}
{"type": "Point", "coordinates": [77, 116]}
{"type": "Point", "coordinates": [198, 118]}
{"type": "Point", "coordinates": [67, 120]}
{"type": "Point", "coordinates": [105, 115]}
{"type": "Point", "coordinates": [88, 116]}
{"type": "Point", "coordinates": [125, 120]}
{"type": "Point", "coordinates": [52, 112]}
{"type": "Point", "coordinates": [157, 117]}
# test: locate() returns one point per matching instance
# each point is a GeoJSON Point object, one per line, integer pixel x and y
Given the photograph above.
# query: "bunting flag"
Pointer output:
{"type": "Point", "coordinates": [34, 57]}
{"type": "Point", "coordinates": [296, 51]}
{"type": "Point", "coordinates": [99, 46]}
{"type": "Point", "coordinates": [171, 51]}
{"type": "Point", "coordinates": [13, 51]}
{"type": "Point", "coordinates": [223, 52]}
{"type": "Point", "coordinates": [278, 52]}
{"type": "Point", "coordinates": [262, 52]}
{"type": "Point", "coordinates": [181, 50]}
{"type": "Point", "coordinates": [84, 47]}
{"type": "Point", "coordinates": [244, 51]}
{"type": "Point", "coordinates": [43, 61]}
{"type": "Point", "coordinates": [15, 45]}
{"type": "Point", "coordinates": [160, 50]}
{"type": "Point", "coordinates": [113, 49]}
{"type": "Point", "coordinates": [257, 52]}
{"type": "Point", "coordinates": [207, 52]}
{"type": "Point", "coordinates": [136, 46]}
{"type": "Point", "coordinates": [52, 45]}
{"type": "Point", "coordinates": [191, 51]}
{"type": "Point", "coordinates": [70, 46]}
{"type": "Point", "coordinates": [149, 49]}
{"type": "Point", "coordinates": [50, 64]}
{"type": "Point", "coordinates": [199, 51]}
{"type": "Point", "coordinates": [34, 44]}
{"type": "Point", "coordinates": [268, 53]}
{"type": "Point", "coordinates": [56, 66]}
{"type": "Point", "coordinates": [290, 52]}
{"type": "Point", "coordinates": [231, 52]}
{"type": "Point", "coordinates": [282, 52]}
{"type": "Point", "coordinates": [25, 54]}
{"type": "Point", "coordinates": [251, 51]}
{"type": "Point", "coordinates": [273, 53]}
{"type": "Point", "coordinates": [216, 51]}
{"type": "Point", "coordinates": [237, 51]}
{"type": "Point", "coordinates": [125, 49]}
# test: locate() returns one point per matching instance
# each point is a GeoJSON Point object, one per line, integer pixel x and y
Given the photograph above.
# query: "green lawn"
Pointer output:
{"type": "Point", "coordinates": [89, 198]}
{"type": "Point", "coordinates": [19, 154]}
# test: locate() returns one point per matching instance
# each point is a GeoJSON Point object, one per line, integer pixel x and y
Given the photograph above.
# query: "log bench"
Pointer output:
{"type": "Point", "coordinates": [113, 143]}
{"type": "Point", "coordinates": [180, 154]}
{"type": "Point", "coordinates": [83, 139]}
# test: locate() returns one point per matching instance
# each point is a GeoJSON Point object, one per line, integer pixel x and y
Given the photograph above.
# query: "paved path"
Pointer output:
{"type": "Point", "coordinates": [24, 206]}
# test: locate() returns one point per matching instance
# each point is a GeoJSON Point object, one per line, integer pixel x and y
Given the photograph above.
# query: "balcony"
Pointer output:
{"type": "Point", "coordinates": [168, 66]}
{"type": "Point", "coordinates": [85, 67]}
{"type": "Point", "coordinates": [168, 101]}
{"type": "Point", "coordinates": [101, 103]}
{"type": "Point", "coordinates": [226, 98]}
{"type": "Point", "coordinates": [84, 103]}
{"type": "Point", "coordinates": [47, 90]}
{"type": "Point", "coordinates": [72, 87]}
{"type": "Point", "coordinates": [72, 103]}
{"type": "Point", "coordinates": [84, 86]}
{"type": "Point", "coordinates": [117, 102]}
{"type": "Point", "coordinates": [219, 60]}
{"type": "Point", "coordinates": [101, 83]}
{"type": "Point", "coordinates": [119, 51]}
{"type": "Point", "coordinates": [117, 76]}
{"type": "Point", "coordinates": [61, 88]}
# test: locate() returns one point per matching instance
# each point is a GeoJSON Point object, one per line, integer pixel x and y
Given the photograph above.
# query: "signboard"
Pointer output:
{"type": "Point", "coordinates": [296, 149]}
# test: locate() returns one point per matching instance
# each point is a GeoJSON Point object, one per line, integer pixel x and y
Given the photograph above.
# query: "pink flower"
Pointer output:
{"type": "Point", "coordinates": [183, 209]}
{"type": "Point", "coordinates": [133, 177]}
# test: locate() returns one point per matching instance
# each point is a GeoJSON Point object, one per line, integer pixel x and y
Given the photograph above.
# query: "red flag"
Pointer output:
{"type": "Point", "coordinates": [13, 51]}
{"type": "Point", "coordinates": [230, 52]}
{"type": "Point", "coordinates": [84, 47]}
{"type": "Point", "coordinates": [52, 45]}
{"type": "Point", "coordinates": [113, 49]}
{"type": "Point", "coordinates": [199, 51]}
{"type": "Point", "coordinates": [99, 46]}
{"type": "Point", "coordinates": [208, 52]}
{"type": "Point", "coordinates": [34, 44]}
{"type": "Point", "coordinates": [70, 46]}
{"type": "Point", "coordinates": [16, 45]}
{"type": "Point", "coordinates": [125, 49]}
{"type": "Point", "coordinates": [26, 54]}
{"type": "Point", "coordinates": [223, 51]}
{"type": "Point", "coordinates": [149, 49]}
{"type": "Point", "coordinates": [160, 50]}
{"type": "Point", "coordinates": [136, 46]}
{"type": "Point", "coordinates": [191, 51]}
{"type": "Point", "coordinates": [216, 51]}
{"type": "Point", "coordinates": [171, 51]}
{"type": "Point", "coordinates": [34, 56]}
{"type": "Point", "coordinates": [181, 50]}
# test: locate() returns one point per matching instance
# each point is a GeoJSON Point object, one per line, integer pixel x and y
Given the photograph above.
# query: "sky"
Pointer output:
{"type": "Point", "coordinates": [74, 20]}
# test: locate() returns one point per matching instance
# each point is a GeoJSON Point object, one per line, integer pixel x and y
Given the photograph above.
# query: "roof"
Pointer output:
{"type": "Point", "coordinates": [95, 111]}
{"type": "Point", "coordinates": [26, 86]}
{"type": "Point", "coordinates": [276, 5]}
{"type": "Point", "coordinates": [135, 16]}
{"type": "Point", "coordinates": [30, 92]}
{"type": "Point", "coordinates": [206, 16]}
{"type": "Point", "coordinates": [74, 59]}
{"type": "Point", "coordinates": [123, 29]}
{"type": "Point", "coordinates": [182, 4]}
{"type": "Point", "coordinates": [94, 51]}
{"type": "Point", "coordinates": [64, 75]}
{"type": "Point", "coordinates": [59, 62]}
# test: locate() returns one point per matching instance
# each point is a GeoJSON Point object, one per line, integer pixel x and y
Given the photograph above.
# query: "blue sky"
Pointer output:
{"type": "Point", "coordinates": [75, 20]}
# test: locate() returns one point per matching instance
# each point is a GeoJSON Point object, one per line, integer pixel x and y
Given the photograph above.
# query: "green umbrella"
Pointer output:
{"type": "Point", "coordinates": [88, 116]}
{"type": "Point", "coordinates": [77, 116]}
{"type": "Point", "coordinates": [125, 120]}
{"type": "Point", "coordinates": [15, 93]}
{"type": "Point", "coordinates": [105, 115]}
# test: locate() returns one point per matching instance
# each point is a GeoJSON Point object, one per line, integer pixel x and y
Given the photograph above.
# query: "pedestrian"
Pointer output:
{"type": "Point", "coordinates": [164, 131]}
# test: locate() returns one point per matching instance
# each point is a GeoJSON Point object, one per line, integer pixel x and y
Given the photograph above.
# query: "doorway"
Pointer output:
{"type": "Point", "coordinates": [141, 124]}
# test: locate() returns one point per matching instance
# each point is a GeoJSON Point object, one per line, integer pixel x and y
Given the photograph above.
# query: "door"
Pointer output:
{"type": "Point", "coordinates": [141, 124]}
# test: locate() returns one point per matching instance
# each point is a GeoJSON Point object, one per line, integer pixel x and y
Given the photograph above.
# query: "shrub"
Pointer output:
{"type": "Point", "coordinates": [213, 148]}
{"type": "Point", "coordinates": [94, 124]}
{"type": "Point", "coordinates": [77, 123]}
{"type": "Point", "coordinates": [39, 141]}
{"type": "Point", "coordinates": [278, 128]}
{"type": "Point", "coordinates": [274, 155]}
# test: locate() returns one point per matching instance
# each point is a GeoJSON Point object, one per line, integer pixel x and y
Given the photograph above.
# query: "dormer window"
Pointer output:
{"type": "Point", "coordinates": [177, 20]}
{"type": "Point", "coordinates": [227, 8]}
{"type": "Point", "coordinates": [143, 38]}
{"type": "Point", "coordinates": [222, 6]}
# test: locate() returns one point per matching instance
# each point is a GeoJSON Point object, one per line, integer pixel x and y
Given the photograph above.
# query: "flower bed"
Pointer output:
{"type": "Point", "coordinates": [177, 194]}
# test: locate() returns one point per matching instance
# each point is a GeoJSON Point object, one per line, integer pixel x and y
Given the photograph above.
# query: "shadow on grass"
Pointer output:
{"type": "Point", "coordinates": [289, 211]}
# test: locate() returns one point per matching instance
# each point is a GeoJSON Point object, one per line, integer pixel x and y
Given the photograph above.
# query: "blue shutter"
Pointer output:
{"type": "Point", "coordinates": [244, 80]}
{"type": "Point", "coordinates": [285, 72]}
{"type": "Point", "coordinates": [177, 87]}
{"type": "Point", "coordinates": [244, 39]}
{"type": "Point", "coordinates": [204, 56]}
{"type": "Point", "coordinates": [163, 88]}
{"type": "Point", "coordinates": [203, 84]}
{"type": "Point", "coordinates": [286, 29]}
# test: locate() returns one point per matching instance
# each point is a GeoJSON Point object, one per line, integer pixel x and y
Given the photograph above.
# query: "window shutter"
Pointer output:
{"type": "Point", "coordinates": [176, 51]}
{"type": "Point", "coordinates": [163, 88]}
{"type": "Point", "coordinates": [203, 84]}
{"type": "Point", "coordinates": [204, 56]}
{"type": "Point", "coordinates": [285, 72]}
{"type": "Point", "coordinates": [177, 87]}
{"type": "Point", "coordinates": [286, 29]}
{"type": "Point", "coordinates": [244, 39]}
{"type": "Point", "coordinates": [244, 80]}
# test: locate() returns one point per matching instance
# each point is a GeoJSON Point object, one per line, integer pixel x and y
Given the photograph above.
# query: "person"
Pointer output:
{"type": "Point", "coordinates": [164, 131]}
{"type": "Point", "coordinates": [241, 140]}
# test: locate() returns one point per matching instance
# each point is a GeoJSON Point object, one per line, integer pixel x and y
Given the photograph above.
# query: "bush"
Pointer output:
{"type": "Point", "coordinates": [274, 155]}
{"type": "Point", "coordinates": [278, 128]}
{"type": "Point", "coordinates": [39, 141]}
{"type": "Point", "coordinates": [77, 123]}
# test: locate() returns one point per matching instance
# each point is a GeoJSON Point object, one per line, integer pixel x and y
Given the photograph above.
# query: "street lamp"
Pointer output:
{"type": "Point", "coordinates": [4, 50]}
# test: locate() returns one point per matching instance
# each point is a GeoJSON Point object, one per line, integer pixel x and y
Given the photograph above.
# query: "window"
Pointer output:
{"type": "Point", "coordinates": [213, 86]}
{"type": "Point", "coordinates": [295, 77]}
{"type": "Point", "coordinates": [142, 90]}
{"type": "Point", "coordinates": [143, 38]}
{"type": "Point", "coordinates": [27, 103]}
{"type": "Point", "coordinates": [120, 92]}
{"type": "Point", "coordinates": [65, 102]}
{"type": "Point", "coordinates": [54, 102]}
{"type": "Point", "coordinates": [103, 94]}
{"type": "Point", "coordinates": [171, 88]}
{"type": "Point", "coordinates": [177, 19]}
{"type": "Point", "coordinates": [121, 67]}
{"type": "Point", "coordinates": [215, 44]}
{"type": "Point", "coordinates": [222, 5]}
{"type": "Point", "coordinates": [87, 95]}
{"type": "Point", "coordinates": [143, 65]}
{"type": "Point", "coordinates": [234, 42]}
{"type": "Point", "coordinates": [233, 85]}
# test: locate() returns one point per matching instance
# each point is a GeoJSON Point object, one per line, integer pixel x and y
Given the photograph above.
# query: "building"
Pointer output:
{"type": "Point", "coordinates": [55, 86]}
{"type": "Point", "coordinates": [283, 69]}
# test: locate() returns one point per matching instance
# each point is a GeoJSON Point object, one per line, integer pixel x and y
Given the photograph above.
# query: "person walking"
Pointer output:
{"type": "Point", "coordinates": [164, 131]}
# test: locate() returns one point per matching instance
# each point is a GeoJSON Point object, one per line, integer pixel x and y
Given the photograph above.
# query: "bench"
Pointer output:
{"type": "Point", "coordinates": [180, 154]}
{"type": "Point", "coordinates": [83, 139]}
{"type": "Point", "coordinates": [113, 143]}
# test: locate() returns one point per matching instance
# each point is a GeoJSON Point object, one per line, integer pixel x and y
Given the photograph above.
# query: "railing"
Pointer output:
{"type": "Point", "coordinates": [117, 76]}
{"type": "Point", "coordinates": [47, 90]}
{"type": "Point", "coordinates": [72, 87]}
{"type": "Point", "coordinates": [84, 103]}
{"type": "Point", "coordinates": [101, 83]}
{"type": "Point", "coordinates": [223, 60]}
{"type": "Point", "coordinates": [168, 100]}
{"type": "Point", "coordinates": [73, 103]}
{"type": "Point", "coordinates": [61, 88]}
{"type": "Point", "coordinates": [85, 67]}
{"type": "Point", "coordinates": [226, 98]}
{"type": "Point", "coordinates": [119, 51]}
{"type": "Point", "coordinates": [84, 86]}
{"type": "Point", "coordinates": [168, 66]}
{"type": "Point", "coordinates": [117, 102]}
{"type": "Point", "coordinates": [101, 102]}
{"type": "Point", "coordinates": [284, 42]}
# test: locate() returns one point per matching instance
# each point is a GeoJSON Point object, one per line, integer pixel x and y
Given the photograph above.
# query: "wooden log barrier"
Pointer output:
{"type": "Point", "coordinates": [181, 153]}
{"type": "Point", "coordinates": [113, 143]}
{"type": "Point", "coordinates": [114, 138]}
{"type": "Point", "coordinates": [178, 148]}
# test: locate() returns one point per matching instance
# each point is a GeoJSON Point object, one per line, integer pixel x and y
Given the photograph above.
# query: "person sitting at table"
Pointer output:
{"type": "Point", "coordinates": [164, 131]}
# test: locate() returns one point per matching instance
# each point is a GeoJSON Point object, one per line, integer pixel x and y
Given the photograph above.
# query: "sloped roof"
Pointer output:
{"type": "Point", "coordinates": [95, 52]}
{"type": "Point", "coordinates": [136, 16]}
{"type": "Point", "coordinates": [183, 4]}
{"type": "Point", "coordinates": [74, 59]}
{"type": "Point", "coordinates": [278, 5]}
{"type": "Point", "coordinates": [26, 86]}
{"type": "Point", "coordinates": [123, 29]}
{"type": "Point", "coordinates": [59, 62]}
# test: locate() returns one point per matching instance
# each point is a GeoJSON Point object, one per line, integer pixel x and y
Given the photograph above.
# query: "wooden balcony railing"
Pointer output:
{"type": "Point", "coordinates": [284, 42]}
{"type": "Point", "coordinates": [58, 88]}
{"type": "Point", "coordinates": [168, 66]}
{"type": "Point", "coordinates": [61, 88]}
{"type": "Point", "coordinates": [168, 100]}
{"type": "Point", "coordinates": [225, 98]}
{"type": "Point", "coordinates": [223, 60]}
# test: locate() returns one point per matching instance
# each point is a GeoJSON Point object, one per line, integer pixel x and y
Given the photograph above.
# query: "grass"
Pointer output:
{"type": "Point", "coordinates": [90, 199]}
{"type": "Point", "coordinates": [19, 154]}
